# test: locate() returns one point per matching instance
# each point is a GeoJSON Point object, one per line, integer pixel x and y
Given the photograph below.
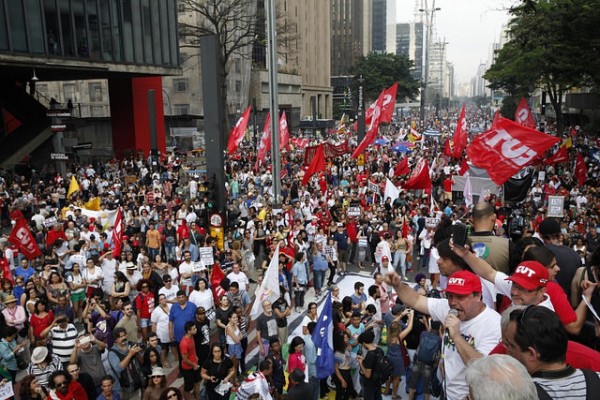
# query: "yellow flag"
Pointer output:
{"type": "Point", "coordinates": [73, 187]}
{"type": "Point", "coordinates": [568, 143]}
{"type": "Point", "coordinates": [93, 204]}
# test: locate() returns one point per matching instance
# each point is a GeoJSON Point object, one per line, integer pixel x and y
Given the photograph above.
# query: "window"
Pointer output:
{"type": "Point", "coordinates": [238, 86]}
{"type": "Point", "coordinates": [180, 85]}
{"type": "Point", "coordinates": [95, 91]}
{"type": "Point", "coordinates": [97, 111]}
{"type": "Point", "coordinates": [68, 92]}
{"type": "Point", "coordinates": [181, 109]}
{"type": "Point", "coordinates": [180, 7]}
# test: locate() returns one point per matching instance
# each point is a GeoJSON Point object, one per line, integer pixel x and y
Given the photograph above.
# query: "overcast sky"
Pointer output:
{"type": "Point", "coordinates": [468, 26]}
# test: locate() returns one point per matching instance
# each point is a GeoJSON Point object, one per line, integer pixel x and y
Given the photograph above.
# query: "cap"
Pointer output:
{"type": "Point", "coordinates": [385, 258]}
{"type": "Point", "coordinates": [340, 225]}
{"type": "Point", "coordinates": [10, 299]}
{"type": "Point", "coordinates": [549, 226]}
{"type": "Point", "coordinates": [463, 282]}
{"type": "Point", "coordinates": [530, 275]}
{"type": "Point", "coordinates": [157, 371]}
{"type": "Point", "coordinates": [39, 354]}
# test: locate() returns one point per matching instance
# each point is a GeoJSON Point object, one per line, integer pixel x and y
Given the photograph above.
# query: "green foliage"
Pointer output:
{"type": "Point", "coordinates": [381, 71]}
{"type": "Point", "coordinates": [509, 106]}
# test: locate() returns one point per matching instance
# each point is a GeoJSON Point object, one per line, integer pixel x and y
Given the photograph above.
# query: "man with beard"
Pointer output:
{"type": "Point", "coordinates": [64, 388]}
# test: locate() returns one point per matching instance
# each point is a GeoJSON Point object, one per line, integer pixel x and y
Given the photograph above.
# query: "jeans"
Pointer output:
{"type": "Point", "coordinates": [400, 261]}
{"type": "Point", "coordinates": [316, 387]}
{"type": "Point", "coordinates": [319, 278]}
{"type": "Point", "coordinates": [170, 252]}
{"type": "Point", "coordinates": [341, 393]}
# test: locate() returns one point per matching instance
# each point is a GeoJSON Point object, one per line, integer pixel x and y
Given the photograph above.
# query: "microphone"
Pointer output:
{"type": "Point", "coordinates": [453, 311]}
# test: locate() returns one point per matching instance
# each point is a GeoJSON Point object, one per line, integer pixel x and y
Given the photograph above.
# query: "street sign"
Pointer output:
{"type": "Point", "coordinates": [83, 146]}
{"type": "Point", "coordinates": [57, 113]}
{"type": "Point", "coordinates": [58, 156]}
{"type": "Point", "coordinates": [58, 127]}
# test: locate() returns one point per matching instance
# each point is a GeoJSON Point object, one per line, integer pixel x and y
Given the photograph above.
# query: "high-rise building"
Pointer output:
{"type": "Point", "coordinates": [351, 34]}
{"type": "Point", "coordinates": [384, 26]}
{"type": "Point", "coordinates": [403, 40]}
{"type": "Point", "coordinates": [409, 43]}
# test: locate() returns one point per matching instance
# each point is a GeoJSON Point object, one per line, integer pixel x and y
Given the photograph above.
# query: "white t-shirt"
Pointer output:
{"type": "Point", "coordinates": [186, 268]}
{"type": "Point", "coordinates": [202, 299]}
{"type": "Point", "coordinates": [434, 256]}
{"type": "Point", "coordinates": [240, 278]}
{"type": "Point", "coordinates": [108, 269]}
{"type": "Point", "coordinates": [170, 294]}
{"type": "Point", "coordinates": [482, 332]}
{"type": "Point", "coordinates": [161, 319]}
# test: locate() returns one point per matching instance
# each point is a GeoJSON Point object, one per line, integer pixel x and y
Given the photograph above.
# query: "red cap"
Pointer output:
{"type": "Point", "coordinates": [530, 275]}
{"type": "Point", "coordinates": [385, 258]}
{"type": "Point", "coordinates": [463, 282]}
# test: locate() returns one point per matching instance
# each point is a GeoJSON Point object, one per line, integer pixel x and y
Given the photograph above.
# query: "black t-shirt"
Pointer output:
{"type": "Point", "coordinates": [220, 370]}
{"type": "Point", "coordinates": [301, 391]}
{"type": "Point", "coordinates": [223, 316]}
{"type": "Point", "coordinates": [267, 326]}
{"type": "Point", "coordinates": [281, 304]}
{"type": "Point", "coordinates": [370, 361]}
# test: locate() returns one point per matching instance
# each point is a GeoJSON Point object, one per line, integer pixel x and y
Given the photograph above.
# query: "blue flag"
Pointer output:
{"type": "Point", "coordinates": [323, 339]}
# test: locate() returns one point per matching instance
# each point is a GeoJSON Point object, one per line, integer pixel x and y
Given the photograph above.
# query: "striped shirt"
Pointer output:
{"type": "Point", "coordinates": [63, 341]}
{"type": "Point", "coordinates": [43, 374]}
{"type": "Point", "coordinates": [571, 387]}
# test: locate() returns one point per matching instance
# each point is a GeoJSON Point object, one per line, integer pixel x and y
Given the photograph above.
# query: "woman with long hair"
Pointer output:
{"type": "Point", "coordinates": [233, 338]}
{"type": "Point", "coordinates": [296, 357]}
{"type": "Point", "coordinates": [218, 368]}
{"type": "Point", "coordinates": [120, 289]}
{"type": "Point", "coordinates": [157, 383]}
{"type": "Point", "coordinates": [29, 298]}
{"type": "Point", "coordinates": [202, 296]}
{"type": "Point", "coordinates": [402, 247]}
{"type": "Point", "coordinates": [222, 316]}
{"type": "Point", "coordinates": [144, 305]}
{"type": "Point", "coordinates": [32, 390]}
{"type": "Point", "coordinates": [56, 288]}
{"type": "Point", "coordinates": [150, 360]}
{"type": "Point", "coordinates": [171, 393]}
{"type": "Point", "coordinates": [342, 377]}
{"type": "Point", "coordinates": [5, 289]}
{"type": "Point", "coordinates": [40, 320]}
{"type": "Point", "coordinates": [77, 285]}
{"type": "Point", "coordinates": [395, 339]}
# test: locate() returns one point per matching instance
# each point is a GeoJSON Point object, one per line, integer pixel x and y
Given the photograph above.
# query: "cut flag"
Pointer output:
{"type": "Point", "coordinates": [239, 130]}
{"type": "Point", "coordinates": [373, 128]}
{"type": "Point", "coordinates": [117, 234]}
{"type": "Point", "coordinates": [284, 133]}
{"type": "Point", "coordinates": [459, 140]}
{"type": "Point", "coordinates": [269, 288]}
{"type": "Point", "coordinates": [506, 148]}
{"type": "Point", "coordinates": [419, 177]}
{"type": "Point", "coordinates": [216, 276]}
{"type": "Point", "coordinates": [389, 103]}
{"type": "Point", "coordinates": [265, 142]}
{"type": "Point", "coordinates": [561, 156]}
{"type": "Point", "coordinates": [22, 238]}
{"type": "Point", "coordinates": [73, 187]}
{"type": "Point", "coordinates": [316, 165]}
{"type": "Point", "coordinates": [322, 337]}
{"type": "Point", "coordinates": [402, 167]}
{"type": "Point", "coordinates": [523, 114]}
{"type": "Point", "coordinates": [580, 169]}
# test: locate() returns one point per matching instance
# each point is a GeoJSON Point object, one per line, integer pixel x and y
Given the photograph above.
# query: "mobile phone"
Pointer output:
{"type": "Point", "coordinates": [459, 234]}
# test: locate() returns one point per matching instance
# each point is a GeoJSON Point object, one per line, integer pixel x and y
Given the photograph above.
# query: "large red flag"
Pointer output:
{"type": "Point", "coordinates": [265, 142]}
{"type": "Point", "coordinates": [389, 103]}
{"type": "Point", "coordinates": [561, 156]}
{"type": "Point", "coordinates": [284, 133]}
{"type": "Point", "coordinates": [316, 165]}
{"type": "Point", "coordinates": [507, 148]}
{"type": "Point", "coordinates": [580, 170]}
{"type": "Point", "coordinates": [523, 114]}
{"type": "Point", "coordinates": [402, 167]}
{"type": "Point", "coordinates": [216, 276]}
{"type": "Point", "coordinates": [239, 130]}
{"type": "Point", "coordinates": [21, 237]}
{"type": "Point", "coordinates": [419, 177]}
{"type": "Point", "coordinates": [117, 234]}
{"type": "Point", "coordinates": [373, 128]}
{"type": "Point", "coordinates": [459, 140]}
{"type": "Point", "coordinates": [447, 147]}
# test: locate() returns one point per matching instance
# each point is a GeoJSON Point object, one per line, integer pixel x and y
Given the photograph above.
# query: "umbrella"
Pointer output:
{"type": "Point", "coordinates": [402, 148]}
{"type": "Point", "coordinates": [381, 141]}
{"type": "Point", "coordinates": [405, 143]}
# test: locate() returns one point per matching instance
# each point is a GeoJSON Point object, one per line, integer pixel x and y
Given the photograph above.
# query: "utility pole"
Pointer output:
{"type": "Point", "coordinates": [273, 103]}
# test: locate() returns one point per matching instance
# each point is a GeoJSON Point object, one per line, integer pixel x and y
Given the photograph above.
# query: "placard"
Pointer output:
{"type": "Point", "coordinates": [353, 211]}
{"type": "Point", "coordinates": [49, 222]}
{"type": "Point", "coordinates": [556, 206]}
{"type": "Point", "coordinates": [198, 266]}
{"type": "Point", "coordinates": [6, 391]}
{"type": "Point", "coordinates": [431, 222]}
{"type": "Point", "coordinates": [206, 255]}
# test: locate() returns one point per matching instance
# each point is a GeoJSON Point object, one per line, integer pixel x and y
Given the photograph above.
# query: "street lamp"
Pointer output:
{"type": "Point", "coordinates": [428, 23]}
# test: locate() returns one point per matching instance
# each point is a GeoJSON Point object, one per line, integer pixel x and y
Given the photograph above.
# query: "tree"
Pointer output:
{"type": "Point", "coordinates": [381, 71]}
{"type": "Point", "coordinates": [543, 50]}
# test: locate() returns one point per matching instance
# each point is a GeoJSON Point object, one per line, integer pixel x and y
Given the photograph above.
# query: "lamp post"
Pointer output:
{"type": "Point", "coordinates": [428, 23]}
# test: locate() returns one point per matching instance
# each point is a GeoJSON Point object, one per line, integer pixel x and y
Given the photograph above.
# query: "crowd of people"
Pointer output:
{"type": "Point", "coordinates": [85, 321]}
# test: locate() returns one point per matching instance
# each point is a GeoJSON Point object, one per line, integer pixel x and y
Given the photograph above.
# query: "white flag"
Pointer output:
{"type": "Point", "coordinates": [468, 192]}
{"type": "Point", "coordinates": [390, 191]}
{"type": "Point", "coordinates": [269, 289]}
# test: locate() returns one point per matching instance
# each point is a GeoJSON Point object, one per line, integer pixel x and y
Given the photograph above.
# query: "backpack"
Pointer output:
{"type": "Point", "coordinates": [429, 347]}
{"type": "Point", "coordinates": [131, 377]}
{"type": "Point", "coordinates": [383, 369]}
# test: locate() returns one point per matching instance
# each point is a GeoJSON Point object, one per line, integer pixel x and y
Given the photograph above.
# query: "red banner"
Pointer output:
{"type": "Point", "coordinates": [239, 130]}
{"type": "Point", "coordinates": [419, 177]}
{"type": "Point", "coordinates": [580, 170]}
{"type": "Point", "coordinates": [507, 148]}
{"type": "Point", "coordinates": [373, 128]}
{"type": "Point", "coordinates": [561, 156]}
{"type": "Point", "coordinates": [21, 237]}
{"type": "Point", "coordinates": [265, 142]}
{"type": "Point", "coordinates": [329, 150]}
{"type": "Point", "coordinates": [317, 165]}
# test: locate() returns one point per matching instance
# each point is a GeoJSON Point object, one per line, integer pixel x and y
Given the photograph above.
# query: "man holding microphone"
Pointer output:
{"type": "Point", "coordinates": [472, 329]}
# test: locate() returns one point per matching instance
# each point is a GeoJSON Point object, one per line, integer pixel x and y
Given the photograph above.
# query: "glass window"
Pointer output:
{"type": "Point", "coordinates": [127, 30]}
{"type": "Point", "coordinates": [136, 13]}
{"type": "Point", "coordinates": [107, 47]}
{"type": "Point", "coordinates": [34, 23]}
{"type": "Point", "coordinates": [52, 27]}
{"type": "Point", "coordinates": [17, 25]}
{"type": "Point", "coordinates": [180, 85]}
{"type": "Point", "coordinates": [80, 29]}
{"type": "Point", "coordinates": [156, 33]}
{"type": "Point", "coordinates": [164, 25]}
{"type": "Point", "coordinates": [3, 32]}
{"type": "Point", "coordinates": [181, 109]}
{"type": "Point", "coordinates": [116, 30]}
{"type": "Point", "coordinates": [68, 35]}
{"type": "Point", "coordinates": [94, 27]}
{"type": "Point", "coordinates": [147, 29]}
{"type": "Point", "coordinates": [68, 92]}
{"type": "Point", "coordinates": [97, 111]}
{"type": "Point", "coordinates": [95, 89]}
{"type": "Point", "coordinates": [172, 29]}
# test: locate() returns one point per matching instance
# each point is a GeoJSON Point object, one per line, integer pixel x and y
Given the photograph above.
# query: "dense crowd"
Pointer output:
{"type": "Point", "coordinates": [84, 321]}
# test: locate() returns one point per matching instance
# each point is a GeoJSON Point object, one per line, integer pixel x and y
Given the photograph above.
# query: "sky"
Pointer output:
{"type": "Point", "coordinates": [468, 26]}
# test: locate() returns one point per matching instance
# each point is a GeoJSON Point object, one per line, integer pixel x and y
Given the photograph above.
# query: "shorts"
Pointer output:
{"type": "Point", "coordinates": [190, 378]}
{"type": "Point", "coordinates": [78, 296]}
{"type": "Point", "coordinates": [145, 323]}
{"type": "Point", "coordinates": [235, 350]}
{"type": "Point", "coordinates": [343, 255]}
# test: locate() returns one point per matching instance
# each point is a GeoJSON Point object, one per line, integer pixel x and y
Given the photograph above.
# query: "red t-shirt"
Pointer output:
{"type": "Point", "coordinates": [39, 324]}
{"type": "Point", "coordinates": [561, 304]}
{"type": "Point", "coordinates": [187, 346]}
{"type": "Point", "coordinates": [145, 304]}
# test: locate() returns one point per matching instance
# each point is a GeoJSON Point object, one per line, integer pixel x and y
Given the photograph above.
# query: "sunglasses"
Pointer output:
{"type": "Point", "coordinates": [61, 384]}
{"type": "Point", "coordinates": [168, 280]}
{"type": "Point", "coordinates": [172, 396]}
{"type": "Point", "coordinates": [145, 286]}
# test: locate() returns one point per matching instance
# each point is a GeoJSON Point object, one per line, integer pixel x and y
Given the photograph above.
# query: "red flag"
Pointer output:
{"type": "Point", "coordinates": [419, 177]}
{"type": "Point", "coordinates": [373, 128]}
{"type": "Point", "coordinates": [580, 170]}
{"type": "Point", "coordinates": [21, 237]}
{"type": "Point", "coordinates": [447, 147]}
{"type": "Point", "coordinates": [496, 117]}
{"type": "Point", "coordinates": [459, 140]}
{"type": "Point", "coordinates": [316, 165]}
{"type": "Point", "coordinates": [464, 167]}
{"type": "Point", "coordinates": [5, 268]}
{"type": "Point", "coordinates": [16, 214]}
{"type": "Point", "coordinates": [284, 133]}
{"type": "Point", "coordinates": [389, 103]}
{"type": "Point", "coordinates": [239, 130]}
{"type": "Point", "coordinates": [117, 234]}
{"type": "Point", "coordinates": [523, 114]}
{"type": "Point", "coordinates": [216, 276]}
{"type": "Point", "coordinates": [561, 156]}
{"type": "Point", "coordinates": [507, 148]}
{"type": "Point", "coordinates": [402, 167]}
{"type": "Point", "coordinates": [265, 142]}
